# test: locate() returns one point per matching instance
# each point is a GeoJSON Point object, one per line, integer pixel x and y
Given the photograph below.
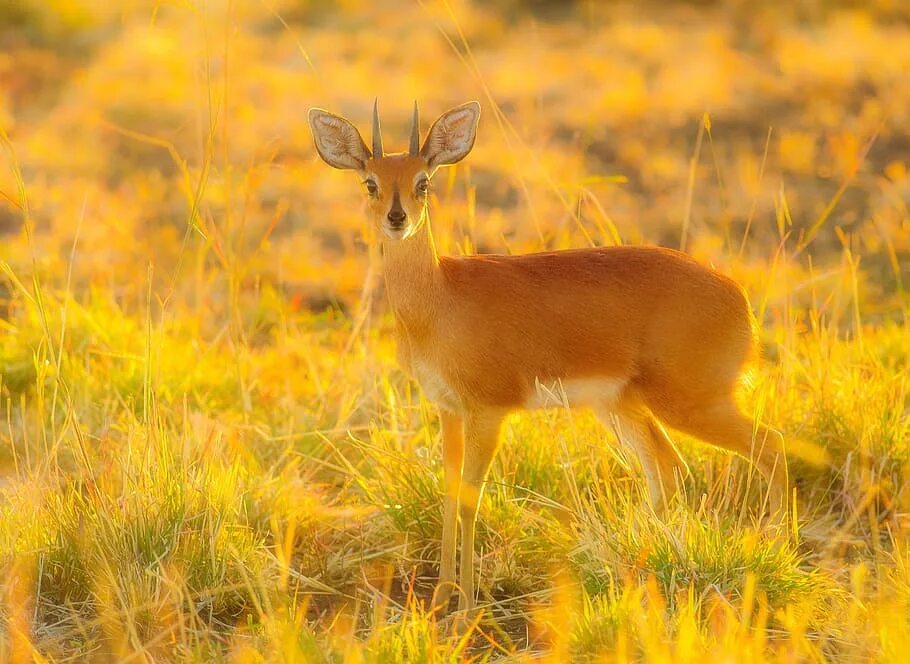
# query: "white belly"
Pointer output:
{"type": "Point", "coordinates": [435, 387]}
{"type": "Point", "coordinates": [602, 392]}
{"type": "Point", "coordinates": [599, 392]}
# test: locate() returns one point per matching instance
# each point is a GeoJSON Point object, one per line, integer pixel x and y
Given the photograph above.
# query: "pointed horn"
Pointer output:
{"type": "Point", "coordinates": [415, 133]}
{"type": "Point", "coordinates": [377, 134]}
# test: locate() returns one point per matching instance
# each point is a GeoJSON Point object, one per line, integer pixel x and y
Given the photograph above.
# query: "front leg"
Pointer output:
{"type": "Point", "coordinates": [482, 438]}
{"type": "Point", "coordinates": [452, 459]}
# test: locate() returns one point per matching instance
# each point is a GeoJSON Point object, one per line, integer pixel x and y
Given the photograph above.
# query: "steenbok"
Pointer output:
{"type": "Point", "coordinates": [644, 333]}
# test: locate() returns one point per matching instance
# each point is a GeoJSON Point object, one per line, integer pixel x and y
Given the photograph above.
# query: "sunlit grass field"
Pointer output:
{"type": "Point", "coordinates": [207, 450]}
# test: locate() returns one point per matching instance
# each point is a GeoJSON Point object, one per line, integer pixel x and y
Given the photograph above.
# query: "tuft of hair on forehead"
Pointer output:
{"type": "Point", "coordinates": [397, 168]}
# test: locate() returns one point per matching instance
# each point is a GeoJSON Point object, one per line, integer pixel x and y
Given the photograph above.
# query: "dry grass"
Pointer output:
{"type": "Point", "coordinates": [207, 450]}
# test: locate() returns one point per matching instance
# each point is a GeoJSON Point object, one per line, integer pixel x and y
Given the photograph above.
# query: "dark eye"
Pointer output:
{"type": "Point", "coordinates": [422, 187]}
{"type": "Point", "coordinates": [372, 189]}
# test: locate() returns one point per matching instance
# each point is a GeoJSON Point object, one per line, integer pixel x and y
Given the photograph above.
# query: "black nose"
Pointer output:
{"type": "Point", "coordinates": [397, 217]}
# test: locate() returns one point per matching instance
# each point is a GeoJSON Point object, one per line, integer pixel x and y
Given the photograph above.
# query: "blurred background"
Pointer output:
{"type": "Point", "coordinates": [173, 135]}
{"type": "Point", "coordinates": [206, 444]}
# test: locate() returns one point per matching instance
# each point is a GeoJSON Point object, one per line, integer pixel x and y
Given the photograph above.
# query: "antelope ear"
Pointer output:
{"type": "Point", "coordinates": [338, 141]}
{"type": "Point", "coordinates": [452, 136]}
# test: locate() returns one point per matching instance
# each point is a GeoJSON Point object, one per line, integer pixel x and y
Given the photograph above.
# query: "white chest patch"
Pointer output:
{"type": "Point", "coordinates": [434, 386]}
{"type": "Point", "coordinates": [601, 392]}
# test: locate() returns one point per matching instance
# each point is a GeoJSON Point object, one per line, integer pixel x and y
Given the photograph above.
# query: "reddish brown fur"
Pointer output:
{"type": "Point", "coordinates": [641, 314]}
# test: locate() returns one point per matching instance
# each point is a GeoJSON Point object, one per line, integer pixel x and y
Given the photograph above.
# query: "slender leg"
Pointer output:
{"type": "Point", "coordinates": [481, 439]}
{"type": "Point", "coordinates": [661, 463]}
{"type": "Point", "coordinates": [724, 425]}
{"type": "Point", "coordinates": [673, 467]}
{"type": "Point", "coordinates": [452, 459]}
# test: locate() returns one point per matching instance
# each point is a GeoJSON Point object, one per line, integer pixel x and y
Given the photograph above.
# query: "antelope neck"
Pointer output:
{"type": "Point", "coordinates": [412, 277]}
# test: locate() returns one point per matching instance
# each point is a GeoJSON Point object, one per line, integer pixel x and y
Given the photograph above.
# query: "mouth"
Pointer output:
{"type": "Point", "coordinates": [395, 232]}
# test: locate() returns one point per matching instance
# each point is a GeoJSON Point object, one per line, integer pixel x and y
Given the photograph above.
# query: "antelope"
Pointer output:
{"type": "Point", "coordinates": [644, 334]}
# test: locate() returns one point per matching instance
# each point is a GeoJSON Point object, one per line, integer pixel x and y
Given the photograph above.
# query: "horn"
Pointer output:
{"type": "Point", "coordinates": [415, 133]}
{"type": "Point", "coordinates": [377, 134]}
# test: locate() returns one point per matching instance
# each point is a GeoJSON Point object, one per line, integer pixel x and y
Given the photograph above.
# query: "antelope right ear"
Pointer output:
{"type": "Point", "coordinates": [337, 141]}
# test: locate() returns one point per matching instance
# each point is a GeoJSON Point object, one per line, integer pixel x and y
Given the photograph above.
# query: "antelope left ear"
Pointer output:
{"type": "Point", "coordinates": [452, 136]}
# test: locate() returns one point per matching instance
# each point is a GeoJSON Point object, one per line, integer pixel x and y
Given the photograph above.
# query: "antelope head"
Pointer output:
{"type": "Point", "coordinates": [396, 184]}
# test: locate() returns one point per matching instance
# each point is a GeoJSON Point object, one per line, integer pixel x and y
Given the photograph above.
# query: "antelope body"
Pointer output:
{"type": "Point", "coordinates": [644, 333]}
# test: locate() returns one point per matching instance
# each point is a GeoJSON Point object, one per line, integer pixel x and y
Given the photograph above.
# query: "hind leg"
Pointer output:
{"type": "Point", "coordinates": [723, 424]}
{"type": "Point", "coordinates": [661, 463]}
